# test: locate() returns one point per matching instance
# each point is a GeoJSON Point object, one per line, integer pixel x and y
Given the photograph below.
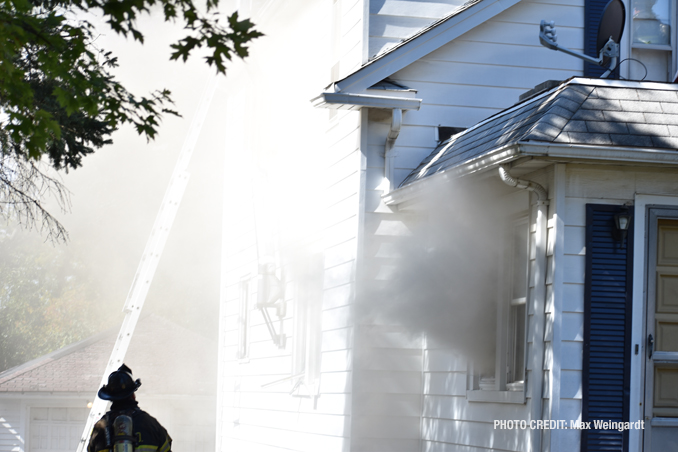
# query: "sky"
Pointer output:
{"type": "Point", "coordinates": [117, 192]}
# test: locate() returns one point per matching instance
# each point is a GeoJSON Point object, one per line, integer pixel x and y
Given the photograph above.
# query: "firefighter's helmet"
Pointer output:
{"type": "Point", "coordinates": [121, 384]}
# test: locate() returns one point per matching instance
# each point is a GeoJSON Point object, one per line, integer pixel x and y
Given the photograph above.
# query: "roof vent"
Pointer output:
{"type": "Point", "coordinates": [444, 133]}
{"type": "Point", "coordinates": [544, 86]}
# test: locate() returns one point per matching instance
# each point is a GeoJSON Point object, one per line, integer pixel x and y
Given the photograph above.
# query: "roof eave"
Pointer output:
{"type": "Point", "coordinates": [538, 150]}
{"type": "Point", "coordinates": [592, 153]}
{"type": "Point", "coordinates": [491, 159]}
{"type": "Point", "coordinates": [346, 101]}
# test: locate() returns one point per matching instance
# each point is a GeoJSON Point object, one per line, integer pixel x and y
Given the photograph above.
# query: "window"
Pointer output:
{"type": "Point", "coordinates": [307, 328]}
{"type": "Point", "coordinates": [649, 36]}
{"type": "Point", "coordinates": [508, 383]}
{"type": "Point", "coordinates": [517, 305]}
{"type": "Point", "coordinates": [652, 39]}
{"type": "Point", "coordinates": [244, 318]}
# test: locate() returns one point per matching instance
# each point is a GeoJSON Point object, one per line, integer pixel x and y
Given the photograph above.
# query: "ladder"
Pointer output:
{"type": "Point", "coordinates": [150, 258]}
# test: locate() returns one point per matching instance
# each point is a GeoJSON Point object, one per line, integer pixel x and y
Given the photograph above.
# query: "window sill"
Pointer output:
{"type": "Point", "coordinates": [301, 389]}
{"type": "Point", "coordinates": [496, 396]}
{"type": "Point", "coordinates": [640, 45]}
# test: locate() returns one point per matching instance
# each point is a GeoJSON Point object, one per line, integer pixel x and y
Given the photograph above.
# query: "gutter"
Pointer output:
{"type": "Point", "coordinates": [389, 155]}
{"type": "Point", "coordinates": [555, 152]}
{"type": "Point", "coordinates": [413, 190]}
{"type": "Point", "coordinates": [539, 299]}
{"type": "Point", "coordinates": [611, 153]}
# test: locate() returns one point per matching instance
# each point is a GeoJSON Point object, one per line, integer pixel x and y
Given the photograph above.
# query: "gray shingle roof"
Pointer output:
{"type": "Point", "coordinates": [168, 359]}
{"type": "Point", "coordinates": [580, 112]}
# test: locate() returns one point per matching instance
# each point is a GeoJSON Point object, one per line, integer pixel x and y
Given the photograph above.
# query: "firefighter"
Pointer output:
{"type": "Point", "coordinates": [109, 433]}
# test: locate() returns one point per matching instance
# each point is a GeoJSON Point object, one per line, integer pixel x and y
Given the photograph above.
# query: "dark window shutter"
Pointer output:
{"type": "Point", "coordinates": [607, 329]}
{"type": "Point", "coordinates": [593, 12]}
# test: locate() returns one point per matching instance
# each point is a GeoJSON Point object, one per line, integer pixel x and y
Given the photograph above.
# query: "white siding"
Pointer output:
{"type": "Point", "coordinates": [291, 191]}
{"type": "Point", "coordinates": [257, 410]}
{"type": "Point", "coordinates": [348, 30]}
{"type": "Point", "coordinates": [12, 436]}
{"type": "Point", "coordinates": [387, 388]}
{"type": "Point", "coordinates": [395, 20]}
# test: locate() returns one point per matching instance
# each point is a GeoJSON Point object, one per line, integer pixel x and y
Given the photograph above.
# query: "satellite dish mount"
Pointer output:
{"type": "Point", "coordinates": [609, 34]}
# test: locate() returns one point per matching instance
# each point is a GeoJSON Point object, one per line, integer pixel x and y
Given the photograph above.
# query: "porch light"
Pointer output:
{"type": "Point", "coordinates": [622, 222]}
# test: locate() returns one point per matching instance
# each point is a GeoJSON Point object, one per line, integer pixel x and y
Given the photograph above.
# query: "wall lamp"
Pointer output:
{"type": "Point", "coordinates": [622, 222]}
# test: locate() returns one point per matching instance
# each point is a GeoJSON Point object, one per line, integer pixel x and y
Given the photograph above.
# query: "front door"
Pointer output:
{"type": "Point", "coordinates": [661, 365]}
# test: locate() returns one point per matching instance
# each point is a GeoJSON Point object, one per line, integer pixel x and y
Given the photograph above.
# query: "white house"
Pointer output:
{"type": "Point", "coordinates": [425, 258]}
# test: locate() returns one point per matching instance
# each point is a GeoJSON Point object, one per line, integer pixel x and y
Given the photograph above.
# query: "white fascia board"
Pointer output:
{"type": "Point", "coordinates": [613, 154]}
{"type": "Point", "coordinates": [420, 46]}
{"type": "Point", "coordinates": [415, 189]}
{"type": "Point", "coordinates": [347, 101]}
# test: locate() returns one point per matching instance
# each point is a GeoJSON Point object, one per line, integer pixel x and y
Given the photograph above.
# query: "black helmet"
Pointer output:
{"type": "Point", "coordinates": [121, 384]}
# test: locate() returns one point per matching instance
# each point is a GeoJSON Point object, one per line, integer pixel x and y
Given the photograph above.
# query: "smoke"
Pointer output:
{"type": "Point", "coordinates": [118, 191]}
{"type": "Point", "coordinates": [445, 275]}
{"type": "Point", "coordinates": [115, 197]}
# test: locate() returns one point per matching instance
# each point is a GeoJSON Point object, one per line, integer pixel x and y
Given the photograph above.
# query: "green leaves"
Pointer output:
{"type": "Point", "coordinates": [222, 42]}
{"type": "Point", "coordinates": [52, 81]}
{"type": "Point", "coordinates": [58, 98]}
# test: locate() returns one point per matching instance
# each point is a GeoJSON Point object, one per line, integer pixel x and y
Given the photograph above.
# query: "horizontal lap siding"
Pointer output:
{"type": "Point", "coordinates": [387, 381]}
{"type": "Point", "coordinates": [349, 36]}
{"type": "Point", "coordinates": [12, 436]}
{"type": "Point", "coordinates": [393, 21]}
{"type": "Point", "coordinates": [259, 413]}
{"type": "Point", "coordinates": [262, 438]}
{"type": "Point", "coordinates": [387, 385]}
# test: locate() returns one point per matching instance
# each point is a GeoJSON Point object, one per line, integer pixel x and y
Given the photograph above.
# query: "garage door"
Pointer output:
{"type": "Point", "coordinates": [56, 429]}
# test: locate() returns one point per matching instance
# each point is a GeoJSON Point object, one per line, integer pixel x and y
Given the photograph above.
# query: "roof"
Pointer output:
{"type": "Point", "coordinates": [465, 18]}
{"type": "Point", "coordinates": [591, 112]}
{"type": "Point", "coordinates": [168, 359]}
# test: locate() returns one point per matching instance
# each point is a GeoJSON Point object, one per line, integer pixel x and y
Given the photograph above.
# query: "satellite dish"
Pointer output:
{"type": "Point", "coordinates": [611, 24]}
{"type": "Point", "coordinates": [609, 33]}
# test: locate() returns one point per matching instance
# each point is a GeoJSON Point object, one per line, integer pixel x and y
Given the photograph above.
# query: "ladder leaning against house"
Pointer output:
{"type": "Point", "coordinates": [150, 258]}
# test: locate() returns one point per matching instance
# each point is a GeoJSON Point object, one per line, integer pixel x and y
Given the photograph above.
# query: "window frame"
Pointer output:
{"type": "Point", "coordinates": [306, 352]}
{"type": "Point", "coordinates": [505, 390]}
{"type": "Point", "coordinates": [244, 308]}
{"type": "Point", "coordinates": [521, 225]}
{"type": "Point", "coordinates": [670, 48]}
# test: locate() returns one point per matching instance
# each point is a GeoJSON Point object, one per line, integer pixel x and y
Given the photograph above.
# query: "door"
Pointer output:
{"type": "Point", "coordinates": [661, 365]}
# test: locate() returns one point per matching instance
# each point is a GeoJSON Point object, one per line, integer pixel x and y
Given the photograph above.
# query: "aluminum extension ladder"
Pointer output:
{"type": "Point", "coordinates": [149, 260]}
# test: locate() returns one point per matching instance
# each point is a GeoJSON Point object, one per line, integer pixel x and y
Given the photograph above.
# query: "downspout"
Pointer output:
{"type": "Point", "coordinates": [539, 298]}
{"type": "Point", "coordinates": [389, 157]}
